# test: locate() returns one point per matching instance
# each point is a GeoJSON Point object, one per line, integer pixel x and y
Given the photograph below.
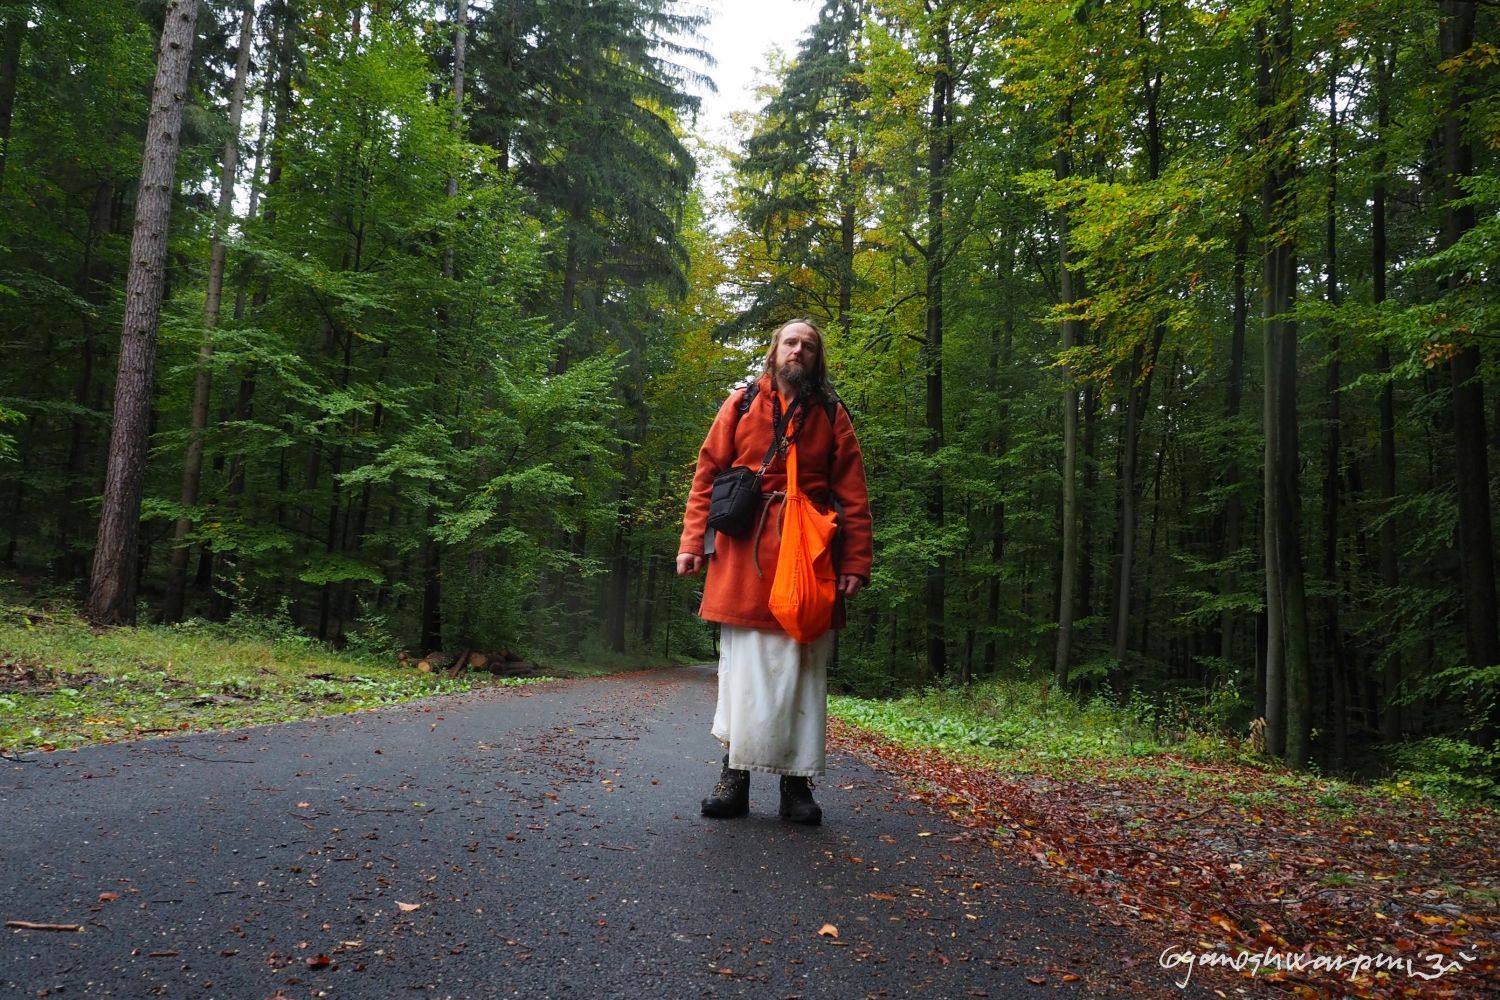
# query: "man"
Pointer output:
{"type": "Point", "coordinates": [773, 691]}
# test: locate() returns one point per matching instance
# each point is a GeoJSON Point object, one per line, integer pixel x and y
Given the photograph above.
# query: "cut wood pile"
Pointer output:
{"type": "Point", "coordinates": [505, 663]}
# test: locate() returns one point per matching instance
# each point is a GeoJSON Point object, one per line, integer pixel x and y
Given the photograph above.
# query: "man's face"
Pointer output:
{"type": "Point", "coordinates": [796, 352]}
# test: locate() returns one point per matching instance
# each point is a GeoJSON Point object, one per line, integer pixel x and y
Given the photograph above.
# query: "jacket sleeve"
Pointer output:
{"type": "Point", "coordinates": [849, 490]}
{"type": "Point", "coordinates": [716, 455]}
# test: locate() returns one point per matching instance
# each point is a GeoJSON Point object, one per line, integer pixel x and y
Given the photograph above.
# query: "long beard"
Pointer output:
{"type": "Point", "coordinates": [797, 377]}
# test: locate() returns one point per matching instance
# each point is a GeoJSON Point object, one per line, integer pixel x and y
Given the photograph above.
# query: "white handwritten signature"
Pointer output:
{"type": "Point", "coordinates": [1425, 966]}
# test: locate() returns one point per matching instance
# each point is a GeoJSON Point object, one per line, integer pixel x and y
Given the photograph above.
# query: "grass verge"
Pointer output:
{"type": "Point", "coordinates": [63, 684]}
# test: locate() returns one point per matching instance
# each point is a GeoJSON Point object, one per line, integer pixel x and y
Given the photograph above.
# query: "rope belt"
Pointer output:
{"type": "Point", "coordinates": [778, 496]}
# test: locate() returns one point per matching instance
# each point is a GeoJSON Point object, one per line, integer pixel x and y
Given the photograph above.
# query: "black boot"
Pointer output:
{"type": "Point", "coordinates": [731, 795]}
{"type": "Point", "coordinates": [797, 802]}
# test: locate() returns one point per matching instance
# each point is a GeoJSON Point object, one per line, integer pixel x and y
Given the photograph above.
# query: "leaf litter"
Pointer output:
{"type": "Point", "coordinates": [1224, 858]}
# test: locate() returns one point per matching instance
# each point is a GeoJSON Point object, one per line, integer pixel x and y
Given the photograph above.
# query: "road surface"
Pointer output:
{"type": "Point", "coordinates": [533, 842]}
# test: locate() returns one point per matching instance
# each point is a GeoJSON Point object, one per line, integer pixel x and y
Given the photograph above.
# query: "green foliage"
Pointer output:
{"type": "Point", "coordinates": [476, 414]}
{"type": "Point", "coordinates": [1441, 765]}
{"type": "Point", "coordinates": [1025, 724]}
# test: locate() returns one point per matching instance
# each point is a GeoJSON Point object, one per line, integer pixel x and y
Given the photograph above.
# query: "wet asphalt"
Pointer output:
{"type": "Point", "coordinates": [534, 842]}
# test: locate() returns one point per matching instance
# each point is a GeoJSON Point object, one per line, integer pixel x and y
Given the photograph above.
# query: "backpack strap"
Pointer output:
{"type": "Point", "coordinates": [831, 406]}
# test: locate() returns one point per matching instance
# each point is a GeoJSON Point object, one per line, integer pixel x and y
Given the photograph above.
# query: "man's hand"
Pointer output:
{"type": "Point", "coordinates": [689, 564]}
{"type": "Point", "coordinates": [849, 585]}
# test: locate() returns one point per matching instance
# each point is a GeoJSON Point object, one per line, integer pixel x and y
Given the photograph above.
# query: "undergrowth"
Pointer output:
{"type": "Point", "coordinates": [1022, 721]}
{"type": "Point", "coordinates": [1023, 727]}
{"type": "Point", "coordinates": [64, 684]}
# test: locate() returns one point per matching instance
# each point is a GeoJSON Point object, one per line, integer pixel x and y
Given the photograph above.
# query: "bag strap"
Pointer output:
{"type": "Point", "coordinates": [830, 406]}
{"type": "Point", "coordinates": [779, 424]}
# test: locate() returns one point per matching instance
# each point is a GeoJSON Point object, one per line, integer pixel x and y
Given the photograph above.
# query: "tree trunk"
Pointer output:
{"type": "Point", "coordinates": [1168, 431]}
{"type": "Point", "coordinates": [94, 286]}
{"type": "Point", "coordinates": [1234, 396]}
{"type": "Point", "coordinates": [11, 36]}
{"type": "Point", "coordinates": [1139, 395]}
{"type": "Point", "coordinates": [1470, 444]}
{"type": "Point", "coordinates": [1390, 575]}
{"type": "Point", "coordinates": [1070, 292]}
{"type": "Point", "coordinates": [1275, 664]}
{"type": "Point", "coordinates": [1085, 599]}
{"type": "Point", "coordinates": [938, 152]}
{"type": "Point", "coordinates": [112, 583]}
{"type": "Point", "coordinates": [1338, 667]}
{"type": "Point", "coordinates": [192, 465]}
{"type": "Point", "coordinates": [1285, 588]}
{"type": "Point", "coordinates": [460, 45]}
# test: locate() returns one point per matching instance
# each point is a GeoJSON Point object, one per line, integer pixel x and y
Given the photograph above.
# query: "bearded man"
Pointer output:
{"type": "Point", "coordinates": [773, 691]}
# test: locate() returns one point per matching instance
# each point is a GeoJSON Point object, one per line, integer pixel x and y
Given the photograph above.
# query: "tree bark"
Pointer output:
{"type": "Point", "coordinates": [1070, 292]}
{"type": "Point", "coordinates": [1285, 586]}
{"type": "Point", "coordinates": [1390, 574]}
{"type": "Point", "coordinates": [1234, 397]}
{"type": "Point", "coordinates": [460, 45]}
{"type": "Point", "coordinates": [1086, 546]}
{"type": "Point", "coordinates": [1338, 668]}
{"type": "Point", "coordinates": [938, 153]}
{"type": "Point", "coordinates": [1470, 444]}
{"type": "Point", "coordinates": [1139, 395]}
{"type": "Point", "coordinates": [112, 584]}
{"type": "Point", "coordinates": [192, 465]}
{"type": "Point", "coordinates": [11, 36]}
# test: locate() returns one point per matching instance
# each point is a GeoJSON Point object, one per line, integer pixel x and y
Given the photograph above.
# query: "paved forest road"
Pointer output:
{"type": "Point", "coordinates": [535, 842]}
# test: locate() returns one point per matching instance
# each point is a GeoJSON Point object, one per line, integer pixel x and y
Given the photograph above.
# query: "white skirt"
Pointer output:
{"type": "Point", "coordinates": [773, 700]}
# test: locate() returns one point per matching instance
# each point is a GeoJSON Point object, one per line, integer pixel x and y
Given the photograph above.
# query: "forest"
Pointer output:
{"type": "Point", "coordinates": [1166, 328]}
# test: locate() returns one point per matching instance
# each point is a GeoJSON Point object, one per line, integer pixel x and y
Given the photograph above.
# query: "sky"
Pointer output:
{"type": "Point", "coordinates": [738, 37]}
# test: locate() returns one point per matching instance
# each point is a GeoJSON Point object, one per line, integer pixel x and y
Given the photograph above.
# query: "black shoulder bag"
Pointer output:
{"type": "Point", "coordinates": [735, 500]}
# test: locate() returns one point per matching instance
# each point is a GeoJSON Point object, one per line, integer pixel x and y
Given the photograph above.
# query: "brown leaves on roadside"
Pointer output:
{"type": "Point", "coordinates": [828, 930]}
{"type": "Point", "coordinates": [1226, 855]}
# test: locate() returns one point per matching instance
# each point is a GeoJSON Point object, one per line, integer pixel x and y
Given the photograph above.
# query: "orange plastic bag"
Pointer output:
{"type": "Point", "coordinates": [804, 588]}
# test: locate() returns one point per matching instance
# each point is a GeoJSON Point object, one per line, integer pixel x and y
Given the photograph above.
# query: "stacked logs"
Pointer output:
{"type": "Point", "coordinates": [502, 664]}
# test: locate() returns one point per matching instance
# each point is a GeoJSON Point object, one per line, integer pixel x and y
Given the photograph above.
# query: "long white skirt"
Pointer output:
{"type": "Point", "coordinates": [773, 700]}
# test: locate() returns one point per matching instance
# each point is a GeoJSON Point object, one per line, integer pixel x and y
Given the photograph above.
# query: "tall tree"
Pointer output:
{"type": "Point", "coordinates": [1288, 693]}
{"type": "Point", "coordinates": [935, 254]}
{"type": "Point", "coordinates": [192, 465]}
{"type": "Point", "coordinates": [112, 584]}
{"type": "Point", "coordinates": [801, 189]}
{"type": "Point", "coordinates": [1470, 435]}
{"type": "Point", "coordinates": [1070, 290]}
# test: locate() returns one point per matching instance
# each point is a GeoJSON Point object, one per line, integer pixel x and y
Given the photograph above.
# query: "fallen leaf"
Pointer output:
{"type": "Point", "coordinates": [408, 907]}
{"type": "Point", "coordinates": [108, 897]}
{"type": "Point", "coordinates": [828, 930]}
{"type": "Point", "coordinates": [319, 962]}
{"type": "Point", "coordinates": [1037, 980]}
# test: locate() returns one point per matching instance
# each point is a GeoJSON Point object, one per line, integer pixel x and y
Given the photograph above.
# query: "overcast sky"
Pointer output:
{"type": "Point", "coordinates": [738, 37]}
